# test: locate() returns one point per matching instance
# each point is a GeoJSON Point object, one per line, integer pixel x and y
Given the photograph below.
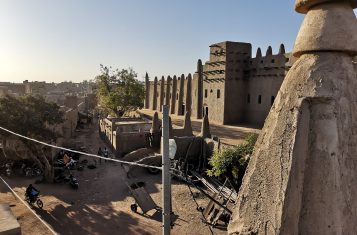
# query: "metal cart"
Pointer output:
{"type": "Point", "coordinates": [142, 198]}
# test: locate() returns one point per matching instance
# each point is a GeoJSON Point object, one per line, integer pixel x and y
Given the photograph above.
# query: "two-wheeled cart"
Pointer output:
{"type": "Point", "coordinates": [142, 198]}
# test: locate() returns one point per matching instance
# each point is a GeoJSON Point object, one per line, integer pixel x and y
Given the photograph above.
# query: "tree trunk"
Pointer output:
{"type": "Point", "coordinates": [48, 168]}
{"type": "Point", "coordinates": [41, 160]}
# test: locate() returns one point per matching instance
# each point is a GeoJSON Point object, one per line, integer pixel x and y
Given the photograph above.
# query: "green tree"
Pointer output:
{"type": "Point", "coordinates": [32, 117]}
{"type": "Point", "coordinates": [232, 162]}
{"type": "Point", "coordinates": [119, 91]}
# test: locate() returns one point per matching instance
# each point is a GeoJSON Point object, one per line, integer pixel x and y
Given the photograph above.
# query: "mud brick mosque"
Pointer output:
{"type": "Point", "coordinates": [232, 87]}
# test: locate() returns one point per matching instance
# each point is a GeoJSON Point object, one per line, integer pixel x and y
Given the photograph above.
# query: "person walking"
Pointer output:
{"type": "Point", "coordinates": [100, 153]}
{"type": "Point", "coordinates": [105, 153]}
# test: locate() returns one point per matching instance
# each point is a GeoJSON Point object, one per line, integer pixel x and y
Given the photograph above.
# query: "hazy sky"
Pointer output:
{"type": "Point", "coordinates": [68, 39]}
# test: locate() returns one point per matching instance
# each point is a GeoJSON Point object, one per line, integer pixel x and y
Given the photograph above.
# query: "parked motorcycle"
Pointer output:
{"type": "Point", "coordinates": [61, 177]}
{"type": "Point", "coordinates": [8, 167]}
{"type": "Point", "coordinates": [73, 182]}
{"type": "Point", "coordinates": [32, 171]}
{"type": "Point", "coordinates": [73, 164]}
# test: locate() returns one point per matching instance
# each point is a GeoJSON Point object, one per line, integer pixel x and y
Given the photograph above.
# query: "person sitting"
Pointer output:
{"type": "Point", "coordinates": [66, 158]}
{"type": "Point", "coordinates": [32, 193]}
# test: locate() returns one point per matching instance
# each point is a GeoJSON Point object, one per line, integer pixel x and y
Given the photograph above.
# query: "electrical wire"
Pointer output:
{"type": "Point", "coordinates": [79, 152]}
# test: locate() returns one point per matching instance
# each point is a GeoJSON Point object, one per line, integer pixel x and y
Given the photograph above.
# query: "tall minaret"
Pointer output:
{"type": "Point", "coordinates": [147, 91]}
{"type": "Point", "coordinates": [189, 94]}
{"type": "Point", "coordinates": [154, 95]}
{"type": "Point", "coordinates": [168, 91]}
{"type": "Point", "coordinates": [302, 175]}
{"type": "Point", "coordinates": [162, 91]}
{"type": "Point", "coordinates": [199, 97]}
{"type": "Point", "coordinates": [174, 94]}
{"type": "Point", "coordinates": [181, 94]}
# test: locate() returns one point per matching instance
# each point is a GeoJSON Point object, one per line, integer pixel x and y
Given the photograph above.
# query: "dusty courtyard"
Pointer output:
{"type": "Point", "coordinates": [101, 205]}
{"type": "Point", "coordinates": [228, 134]}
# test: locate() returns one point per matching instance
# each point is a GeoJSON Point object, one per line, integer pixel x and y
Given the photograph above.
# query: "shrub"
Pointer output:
{"type": "Point", "coordinates": [231, 162]}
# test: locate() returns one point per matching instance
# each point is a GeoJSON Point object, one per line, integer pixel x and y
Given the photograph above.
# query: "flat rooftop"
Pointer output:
{"type": "Point", "coordinates": [229, 134]}
{"type": "Point", "coordinates": [123, 123]}
{"type": "Point", "coordinates": [8, 222]}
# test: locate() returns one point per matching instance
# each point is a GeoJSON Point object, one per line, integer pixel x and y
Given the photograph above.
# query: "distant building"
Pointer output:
{"type": "Point", "coordinates": [232, 87]}
{"type": "Point", "coordinates": [4, 90]}
{"type": "Point", "coordinates": [9, 88]}
{"type": "Point", "coordinates": [35, 88]}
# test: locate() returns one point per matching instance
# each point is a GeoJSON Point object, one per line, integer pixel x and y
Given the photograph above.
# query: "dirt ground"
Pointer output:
{"type": "Point", "coordinates": [228, 134]}
{"type": "Point", "coordinates": [101, 205]}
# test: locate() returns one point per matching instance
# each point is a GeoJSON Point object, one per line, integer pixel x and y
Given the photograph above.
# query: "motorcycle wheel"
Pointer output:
{"type": "Point", "coordinates": [74, 186]}
{"type": "Point", "coordinates": [39, 203]}
{"type": "Point", "coordinates": [134, 208]}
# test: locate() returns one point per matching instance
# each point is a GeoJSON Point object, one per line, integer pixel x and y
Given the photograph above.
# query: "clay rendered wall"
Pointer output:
{"type": "Point", "coordinates": [213, 83]}
{"type": "Point", "coordinates": [180, 94]}
{"type": "Point", "coordinates": [68, 127]}
{"type": "Point", "coordinates": [236, 88]}
{"type": "Point", "coordinates": [212, 105]}
{"type": "Point", "coordinates": [195, 96]}
{"type": "Point", "coordinates": [184, 97]}
{"type": "Point", "coordinates": [265, 78]}
{"type": "Point", "coordinates": [124, 143]}
{"type": "Point", "coordinates": [237, 59]}
{"type": "Point", "coordinates": [173, 95]}
{"type": "Point", "coordinates": [153, 95]}
{"type": "Point", "coordinates": [135, 127]}
{"type": "Point", "coordinates": [224, 85]}
{"type": "Point", "coordinates": [106, 127]}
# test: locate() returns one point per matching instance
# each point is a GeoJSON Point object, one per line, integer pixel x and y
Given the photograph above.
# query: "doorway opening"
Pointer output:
{"type": "Point", "coordinates": [183, 108]}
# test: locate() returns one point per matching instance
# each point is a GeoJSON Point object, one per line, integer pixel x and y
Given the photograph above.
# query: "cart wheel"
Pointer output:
{"type": "Point", "coordinates": [134, 208]}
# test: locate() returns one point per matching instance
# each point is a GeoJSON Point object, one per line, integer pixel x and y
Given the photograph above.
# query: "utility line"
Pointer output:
{"type": "Point", "coordinates": [79, 152]}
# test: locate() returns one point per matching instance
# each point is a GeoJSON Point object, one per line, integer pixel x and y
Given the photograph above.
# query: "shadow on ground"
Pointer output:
{"type": "Point", "coordinates": [85, 220]}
